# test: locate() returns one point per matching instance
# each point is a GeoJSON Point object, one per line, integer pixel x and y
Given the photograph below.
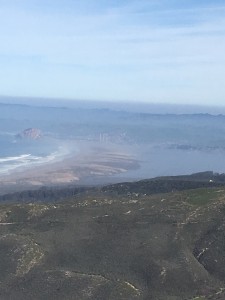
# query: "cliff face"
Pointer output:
{"type": "Point", "coordinates": [30, 133]}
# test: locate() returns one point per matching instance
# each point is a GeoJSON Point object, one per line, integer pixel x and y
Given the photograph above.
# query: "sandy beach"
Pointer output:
{"type": "Point", "coordinates": [93, 163]}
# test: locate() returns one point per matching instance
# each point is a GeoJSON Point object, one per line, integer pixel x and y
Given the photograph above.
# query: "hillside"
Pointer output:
{"type": "Point", "coordinates": [116, 244]}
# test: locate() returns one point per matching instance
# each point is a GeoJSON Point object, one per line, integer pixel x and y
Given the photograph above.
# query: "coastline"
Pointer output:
{"type": "Point", "coordinates": [89, 163]}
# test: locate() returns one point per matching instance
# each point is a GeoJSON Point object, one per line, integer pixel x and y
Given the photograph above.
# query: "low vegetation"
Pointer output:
{"type": "Point", "coordinates": [120, 242]}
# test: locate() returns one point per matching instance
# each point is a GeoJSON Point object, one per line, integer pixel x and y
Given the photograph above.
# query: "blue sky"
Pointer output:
{"type": "Point", "coordinates": [160, 51]}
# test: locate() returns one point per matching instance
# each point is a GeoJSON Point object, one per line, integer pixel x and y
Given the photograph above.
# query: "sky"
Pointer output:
{"type": "Point", "coordinates": [158, 51]}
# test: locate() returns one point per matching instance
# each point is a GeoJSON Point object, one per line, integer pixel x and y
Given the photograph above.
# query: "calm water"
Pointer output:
{"type": "Point", "coordinates": [147, 136]}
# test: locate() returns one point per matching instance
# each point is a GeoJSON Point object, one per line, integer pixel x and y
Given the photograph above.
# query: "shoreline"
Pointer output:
{"type": "Point", "coordinates": [91, 163]}
{"type": "Point", "coordinates": [27, 161]}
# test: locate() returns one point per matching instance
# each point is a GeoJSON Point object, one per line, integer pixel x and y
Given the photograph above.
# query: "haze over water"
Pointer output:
{"type": "Point", "coordinates": [163, 140]}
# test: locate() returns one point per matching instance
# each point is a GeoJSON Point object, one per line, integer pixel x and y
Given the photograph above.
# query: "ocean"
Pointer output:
{"type": "Point", "coordinates": [16, 153]}
{"type": "Point", "coordinates": [163, 142]}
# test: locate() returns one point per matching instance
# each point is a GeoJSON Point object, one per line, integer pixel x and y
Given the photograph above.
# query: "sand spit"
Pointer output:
{"type": "Point", "coordinates": [92, 161]}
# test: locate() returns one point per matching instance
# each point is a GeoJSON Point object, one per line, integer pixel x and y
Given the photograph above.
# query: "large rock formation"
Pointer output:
{"type": "Point", "coordinates": [30, 133]}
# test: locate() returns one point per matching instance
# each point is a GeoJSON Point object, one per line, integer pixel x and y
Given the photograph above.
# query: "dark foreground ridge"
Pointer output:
{"type": "Point", "coordinates": [149, 187]}
{"type": "Point", "coordinates": [153, 239]}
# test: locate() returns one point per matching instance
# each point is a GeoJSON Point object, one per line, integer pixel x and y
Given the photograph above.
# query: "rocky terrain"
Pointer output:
{"type": "Point", "coordinates": [153, 239]}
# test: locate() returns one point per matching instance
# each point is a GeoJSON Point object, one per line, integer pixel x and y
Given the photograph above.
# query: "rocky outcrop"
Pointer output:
{"type": "Point", "coordinates": [30, 133]}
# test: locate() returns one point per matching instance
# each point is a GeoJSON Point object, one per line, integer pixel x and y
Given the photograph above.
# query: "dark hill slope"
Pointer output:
{"type": "Point", "coordinates": [148, 187]}
{"type": "Point", "coordinates": [114, 245]}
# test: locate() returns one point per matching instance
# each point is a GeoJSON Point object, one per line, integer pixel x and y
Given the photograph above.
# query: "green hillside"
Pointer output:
{"type": "Point", "coordinates": [115, 244]}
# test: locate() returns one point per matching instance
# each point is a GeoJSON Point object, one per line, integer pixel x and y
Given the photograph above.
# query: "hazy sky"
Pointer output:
{"type": "Point", "coordinates": [170, 51]}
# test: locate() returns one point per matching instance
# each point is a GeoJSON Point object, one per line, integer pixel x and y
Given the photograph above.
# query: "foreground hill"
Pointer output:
{"type": "Point", "coordinates": [121, 242]}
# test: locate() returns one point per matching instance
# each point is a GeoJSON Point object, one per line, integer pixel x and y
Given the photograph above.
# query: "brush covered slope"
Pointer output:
{"type": "Point", "coordinates": [121, 242]}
